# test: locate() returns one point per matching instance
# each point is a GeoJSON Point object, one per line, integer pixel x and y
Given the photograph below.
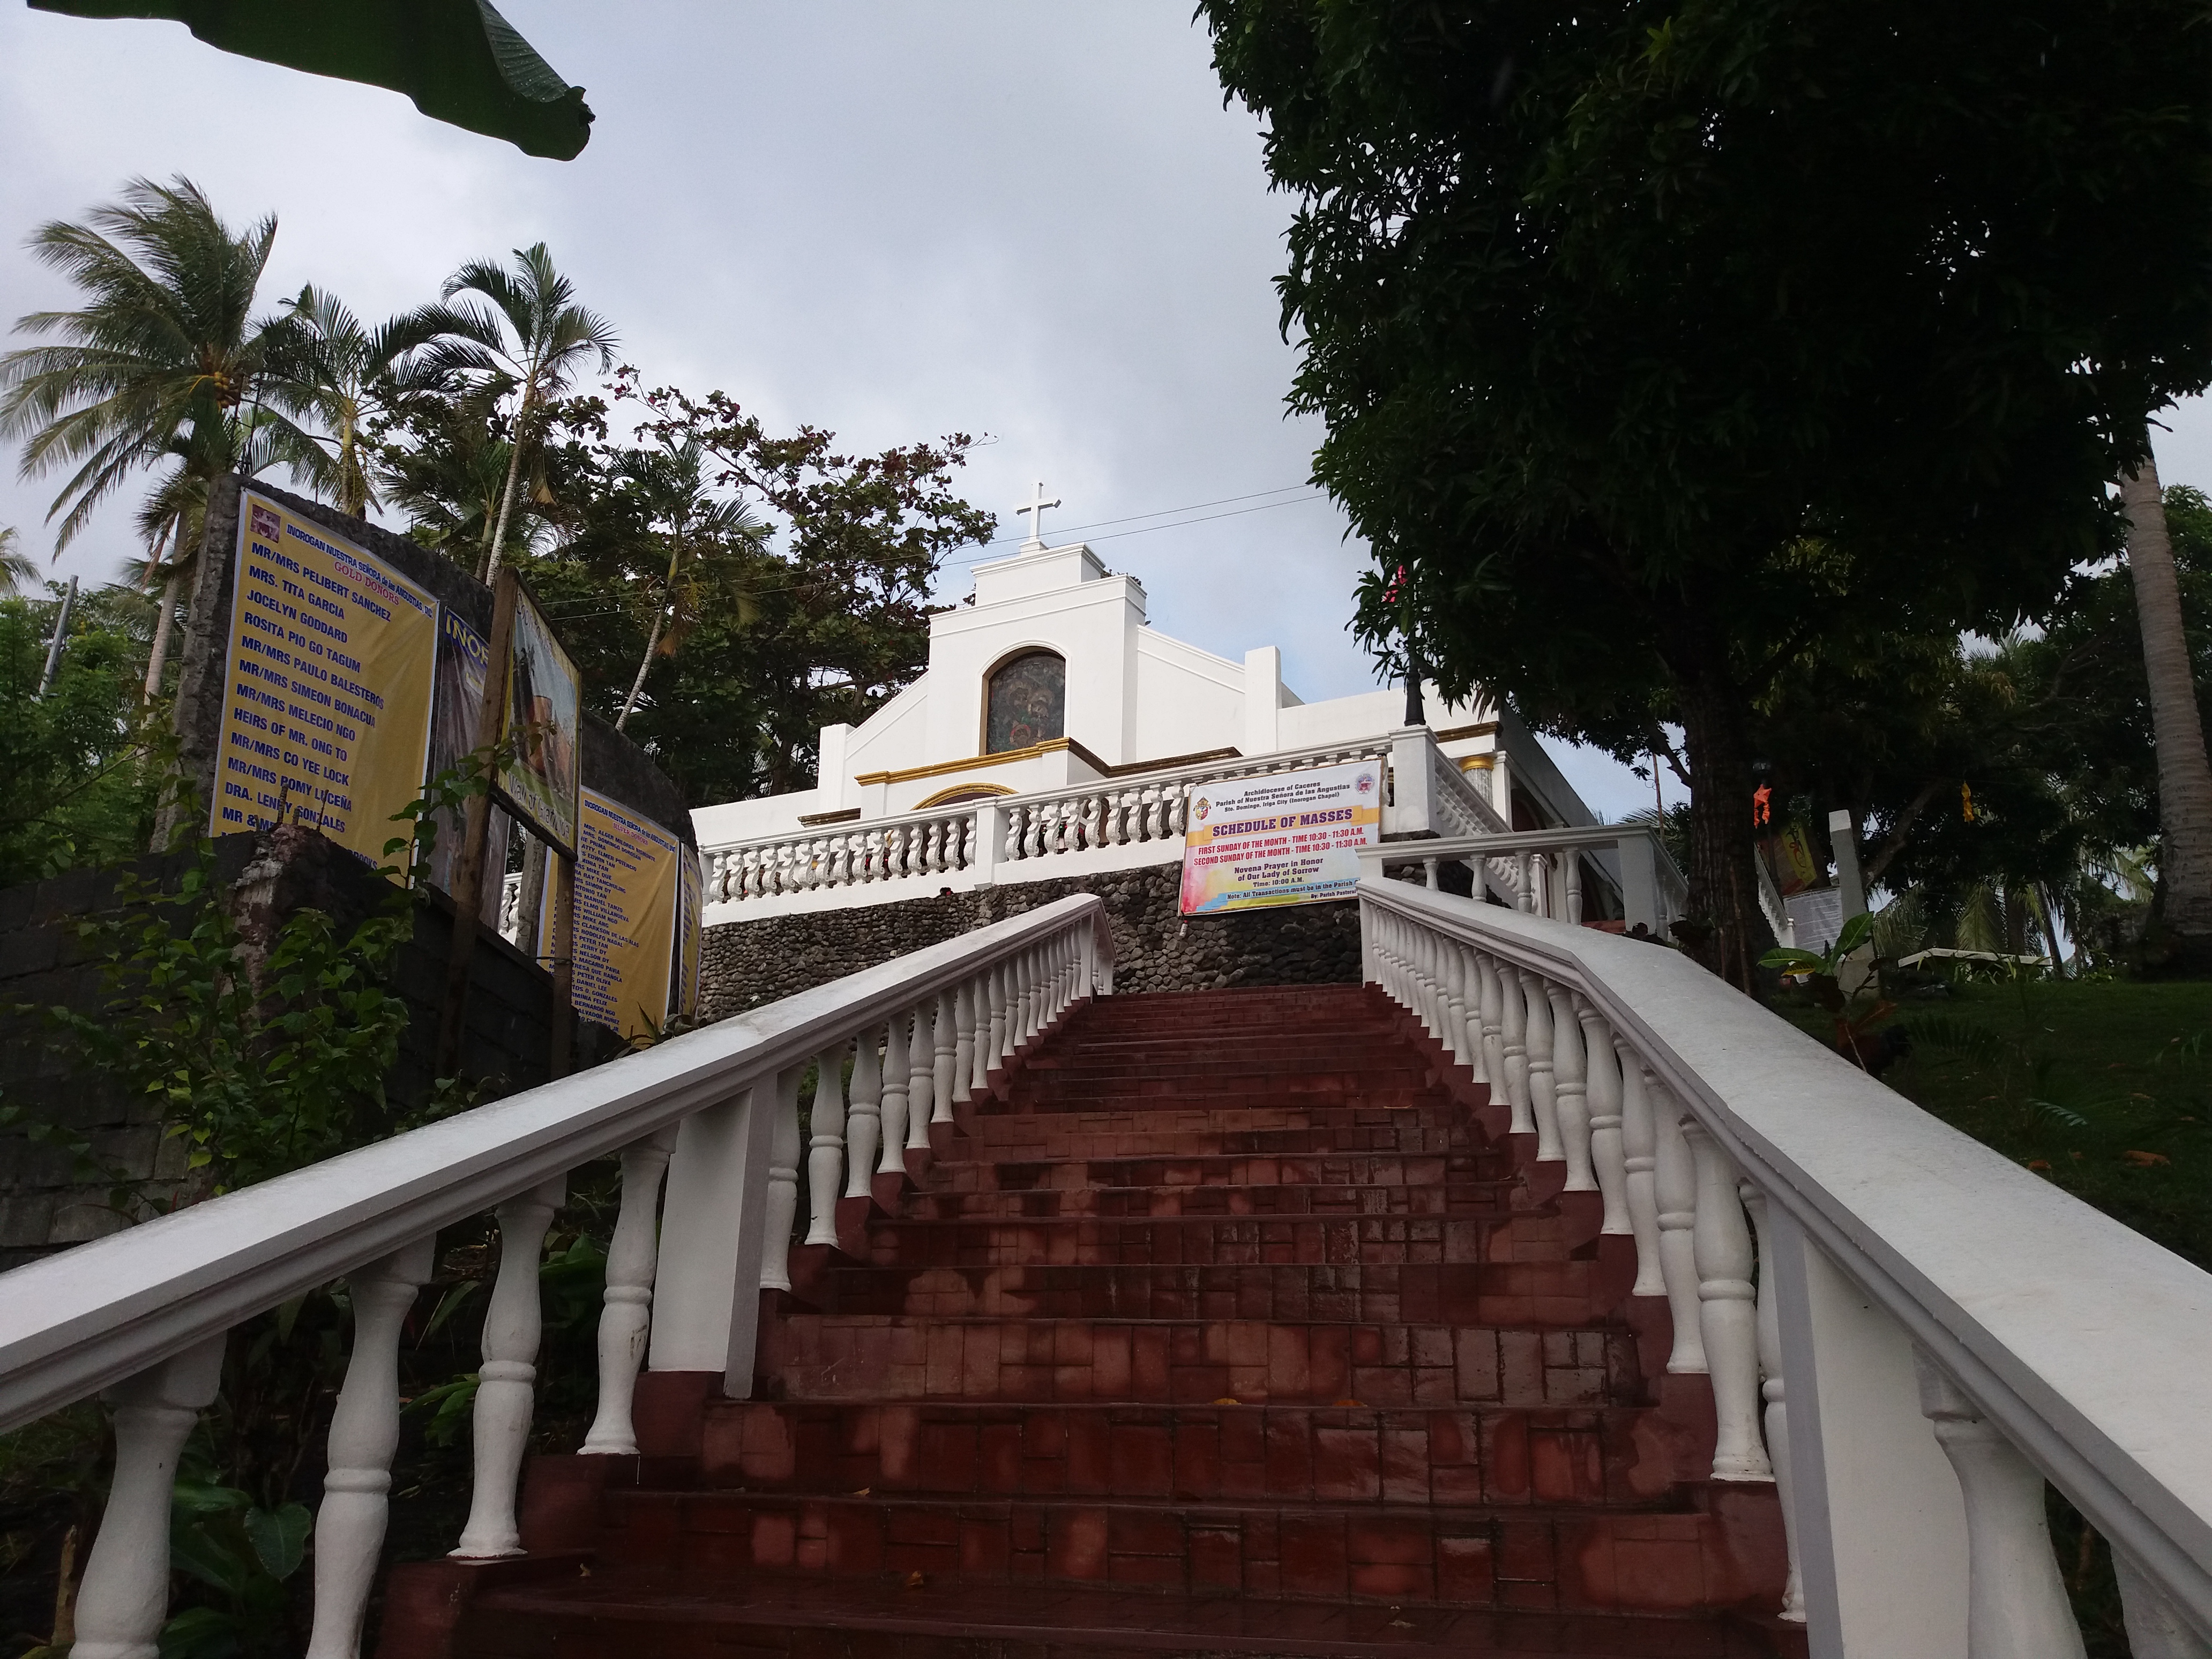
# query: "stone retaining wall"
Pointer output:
{"type": "Point", "coordinates": [747, 964]}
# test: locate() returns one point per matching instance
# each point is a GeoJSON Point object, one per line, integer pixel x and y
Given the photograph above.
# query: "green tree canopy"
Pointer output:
{"type": "Point", "coordinates": [1656, 342]}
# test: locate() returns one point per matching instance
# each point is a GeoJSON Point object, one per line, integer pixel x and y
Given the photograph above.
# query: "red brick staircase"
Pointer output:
{"type": "Point", "coordinates": [1235, 1322]}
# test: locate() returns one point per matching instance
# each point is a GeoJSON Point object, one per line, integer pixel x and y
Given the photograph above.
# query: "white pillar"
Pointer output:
{"type": "Point", "coordinates": [1640, 1145]}
{"type": "Point", "coordinates": [1541, 1080]}
{"type": "Point", "coordinates": [981, 1058]}
{"type": "Point", "coordinates": [947, 1067]}
{"type": "Point", "coordinates": [780, 1210]}
{"type": "Point", "coordinates": [2016, 1605]}
{"type": "Point", "coordinates": [1602, 1080]}
{"type": "Point", "coordinates": [626, 1314]}
{"type": "Point", "coordinates": [364, 1433]}
{"type": "Point", "coordinates": [1727, 1316]}
{"type": "Point", "coordinates": [920, 1079]}
{"type": "Point", "coordinates": [1513, 1046]}
{"type": "Point", "coordinates": [898, 1087]}
{"type": "Point", "coordinates": [863, 1124]}
{"type": "Point", "coordinates": [825, 1155]}
{"type": "Point", "coordinates": [1001, 1017]}
{"type": "Point", "coordinates": [506, 1382]}
{"type": "Point", "coordinates": [123, 1598]}
{"type": "Point", "coordinates": [963, 1042]}
{"type": "Point", "coordinates": [1570, 1089]}
{"type": "Point", "coordinates": [1675, 1187]}
{"type": "Point", "coordinates": [1492, 1012]}
{"type": "Point", "coordinates": [1772, 1391]}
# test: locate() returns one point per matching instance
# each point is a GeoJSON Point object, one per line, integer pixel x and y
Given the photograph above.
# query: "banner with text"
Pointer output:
{"type": "Point", "coordinates": [625, 916]}
{"type": "Point", "coordinates": [327, 696]}
{"type": "Point", "coordinates": [1293, 838]}
{"type": "Point", "coordinates": [543, 720]}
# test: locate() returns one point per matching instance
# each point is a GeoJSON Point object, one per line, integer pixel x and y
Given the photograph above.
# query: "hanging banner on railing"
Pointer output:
{"type": "Point", "coordinates": [625, 918]}
{"type": "Point", "coordinates": [327, 689]}
{"type": "Point", "coordinates": [1293, 838]}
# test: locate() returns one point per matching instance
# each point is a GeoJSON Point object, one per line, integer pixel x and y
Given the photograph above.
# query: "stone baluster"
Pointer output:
{"type": "Point", "coordinates": [363, 1435]}
{"type": "Point", "coordinates": [1771, 1391]}
{"type": "Point", "coordinates": [1674, 1186]}
{"type": "Point", "coordinates": [921, 1080]}
{"type": "Point", "coordinates": [1601, 1074]}
{"type": "Point", "coordinates": [1182, 811]}
{"type": "Point", "coordinates": [1435, 999]}
{"type": "Point", "coordinates": [2016, 1605]}
{"type": "Point", "coordinates": [1542, 1096]}
{"type": "Point", "coordinates": [1469, 970]}
{"type": "Point", "coordinates": [1491, 1009]}
{"type": "Point", "coordinates": [1001, 1038]}
{"type": "Point", "coordinates": [507, 1381]}
{"type": "Point", "coordinates": [1025, 999]}
{"type": "Point", "coordinates": [1513, 1046]}
{"type": "Point", "coordinates": [1728, 1316]}
{"type": "Point", "coordinates": [626, 1313]}
{"type": "Point", "coordinates": [825, 1152]}
{"type": "Point", "coordinates": [1573, 865]}
{"type": "Point", "coordinates": [1640, 1145]}
{"type": "Point", "coordinates": [2155, 1628]}
{"type": "Point", "coordinates": [123, 1600]}
{"type": "Point", "coordinates": [1152, 815]}
{"type": "Point", "coordinates": [1524, 888]}
{"type": "Point", "coordinates": [966, 1065]}
{"type": "Point", "coordinates": [781, 1209]}
{"type": "Point", "coordinates": [898, 1093]}
{"type": "Point", "coordinates": [947, 1059]}
{"type": "Point", "coordinates": [1570, 1089]}
{"type": "Point", "coordinates": [864, 1120]}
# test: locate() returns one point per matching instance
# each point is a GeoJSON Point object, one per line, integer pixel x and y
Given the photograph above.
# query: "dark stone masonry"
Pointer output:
{"type": "Point", "coordinates": [747, 964]}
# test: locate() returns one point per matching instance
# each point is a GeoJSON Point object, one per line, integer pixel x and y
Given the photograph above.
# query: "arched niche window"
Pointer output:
{"type": "Point", "coordinates": [1025, 701]}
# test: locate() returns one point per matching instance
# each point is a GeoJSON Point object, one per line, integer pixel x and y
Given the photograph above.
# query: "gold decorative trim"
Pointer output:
{"type": "Point", "coordinates": [842, 815]}
{"type": "Point", "coordinates": [969, 790]}
{"type": "Point", "coordinates": [1477, 762]}
{"type": "Point", "coordinates": [1050, 745]}
{"type": "Point", "coordinates": [1486, 729]}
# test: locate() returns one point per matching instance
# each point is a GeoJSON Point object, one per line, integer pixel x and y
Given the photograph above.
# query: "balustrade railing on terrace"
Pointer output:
{"type": "Point", "coordinates": [1109, 823]}
{"type": "Point", "coordinates": [1542, 871]}
{"type": "Point", "coordinates": [143, 1314]}
{"type": "Point", "coordinates": [1907, 1333]}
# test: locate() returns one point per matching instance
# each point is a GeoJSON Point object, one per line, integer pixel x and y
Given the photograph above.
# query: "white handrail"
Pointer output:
{"type": "Point", "coordinates": [2050, 1341]}
{"type": "Point", "coordinates": [1526, 868]}
{"type": "Point", "coordinates": [143, 1313]}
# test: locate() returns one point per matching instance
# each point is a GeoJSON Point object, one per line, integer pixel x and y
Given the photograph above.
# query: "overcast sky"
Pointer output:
{"type": "Point", "coordinates": [1031, 222]}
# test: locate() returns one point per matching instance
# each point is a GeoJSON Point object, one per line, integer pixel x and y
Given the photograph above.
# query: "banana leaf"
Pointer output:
{"type": "Point", "coordinates": [459, 60]}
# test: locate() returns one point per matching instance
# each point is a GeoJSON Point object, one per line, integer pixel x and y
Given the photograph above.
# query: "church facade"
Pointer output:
{"type": "Point", "coordinates": [1050, 676]}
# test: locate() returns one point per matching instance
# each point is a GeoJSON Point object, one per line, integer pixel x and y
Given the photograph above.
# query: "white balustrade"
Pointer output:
{"type": "Point", "coordinates": [947, 1059]}
{"type": "Point", "coordinates": [825, 1152]}
{"type": "Point", "coordinates": [1795, 1216]}
{"type": "Point", "coordinates": [864, 1120]}
{"type": "Point", "coordinates": [921, 1082]}
{"type": "Point", "coordinates": [507, 1381]}
{"type": "Point", "coordinates": [632, 1255]}
{"type": "Point", "coordinates": [898, 1088]}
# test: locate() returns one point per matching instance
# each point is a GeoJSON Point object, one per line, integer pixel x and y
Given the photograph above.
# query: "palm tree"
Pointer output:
{"type": "Point", "coordinates": [673, 489]}
{"type": "Point", "coordinates": [531, 336]}
{"type": "Point", "coordinates": [343, 374]}
{"type": "Point", "coordinates": [16, 568]}
{"type": "Point", "coordinates": [2184, 775]}
{"type": "Point", "coordinates": [160, 363]}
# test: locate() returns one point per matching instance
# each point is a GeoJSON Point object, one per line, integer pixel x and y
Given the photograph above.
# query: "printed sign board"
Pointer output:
{"type": "Point", "coordinates": [464, 665]}
{"type": "Point", "coordinates": [1293, 838]}
{"type": "Point", "coordinates": [328, 686]}
{"type": "Point", "coordinates": [544, 718]}
{"type": "Point", "coordinates": [625, 916]}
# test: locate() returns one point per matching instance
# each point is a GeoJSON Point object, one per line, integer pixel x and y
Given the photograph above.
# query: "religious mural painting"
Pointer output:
{"type": "Point", "coordinates": [1027, 703]}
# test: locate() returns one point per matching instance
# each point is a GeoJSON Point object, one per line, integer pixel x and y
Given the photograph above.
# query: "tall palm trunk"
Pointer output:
{"type": "Point", "coordinates": [2184, 775]}
{"type": "Point", "coordinates": [653, 635]}
{"type": "Point", "coordinates": [514, 471]}
{"type": "Point", "coordinates": [158, 657]}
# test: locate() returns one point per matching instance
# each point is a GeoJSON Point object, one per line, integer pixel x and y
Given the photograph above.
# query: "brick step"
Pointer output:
{"type": "Point", "coordinates": [1049, 1140]}
{"type": "Point", "coordinates": [998, 1125]}
{"type": "Point", "coordinates": [1460, 1195]}
{"type": "Point", "coordinates": [1578, 1361]}
{"type": "Point", "coordinates": [1080, 1060]}
{"type": "Point", "coordinates": [1178, 1241]}
{"type": "Point", "coordinates": [1391, 1085]}
{"type": "Point", "coordinates": [1404, 1556]}
{"type": "Point", "coordinates": [1137, 1104]}
{"type": "Point", "coordinates": [1443, 1293]}
{"type": "Point", "coordinates": [1228, 1169]}
{"type": "Point", "coordinates": [1488, 1456]}
{"type": "Point", "coordinates": [525, 1612]}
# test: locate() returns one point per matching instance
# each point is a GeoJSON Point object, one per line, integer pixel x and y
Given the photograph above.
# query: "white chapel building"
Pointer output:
{"type": "Point", "coordinates": [1050, 676]}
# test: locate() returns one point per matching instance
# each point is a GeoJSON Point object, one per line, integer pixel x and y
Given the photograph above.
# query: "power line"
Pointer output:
{"type": "Point", "coordinates": [1073, 530]}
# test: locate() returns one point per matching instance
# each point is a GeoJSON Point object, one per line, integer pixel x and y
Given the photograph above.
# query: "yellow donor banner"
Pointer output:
{"type": "Point", "coordinates": [327, 695]}
{"type": "Point", "coordinates": [1293, 838]}
{"type": "Point", "coordinates": [625, 916]}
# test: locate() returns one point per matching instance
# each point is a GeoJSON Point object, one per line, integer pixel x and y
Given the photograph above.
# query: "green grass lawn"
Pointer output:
{"type": "Point", "coordinates": [2102, 1087]}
